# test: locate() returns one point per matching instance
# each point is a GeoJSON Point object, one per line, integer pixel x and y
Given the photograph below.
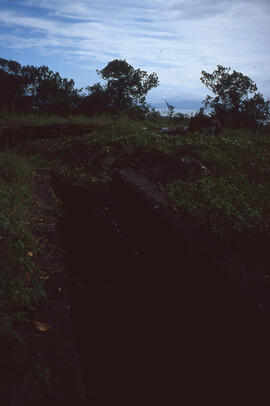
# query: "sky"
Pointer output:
{"type": "Point", "coordinates": [177, 39]}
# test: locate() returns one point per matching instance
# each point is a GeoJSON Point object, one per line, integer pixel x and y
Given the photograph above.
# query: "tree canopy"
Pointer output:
{"type": "Point", "coordinates": [236, 97]}
{"type": "Point", "coordinates": [39, 89]}
{"type": "Point", "coordinates": [31, 88]}
{"type": "Point", "coordinates": [126, 86]}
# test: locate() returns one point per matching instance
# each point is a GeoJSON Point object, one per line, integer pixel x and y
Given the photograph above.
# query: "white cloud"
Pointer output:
{"type": "Point", "coordinates": [176, 39]}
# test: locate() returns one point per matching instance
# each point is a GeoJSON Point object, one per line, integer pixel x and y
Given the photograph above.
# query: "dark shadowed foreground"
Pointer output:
{"type": "Point", "coordinates": [155, 317]}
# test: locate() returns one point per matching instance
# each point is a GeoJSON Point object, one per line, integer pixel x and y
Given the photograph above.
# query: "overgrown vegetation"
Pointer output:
{"type": "Point", "coordinates": [230, 197]}
{"type": "Point", "coordinates": [233, 195]}
{"type": "Point", "coordinates": [20, 287]}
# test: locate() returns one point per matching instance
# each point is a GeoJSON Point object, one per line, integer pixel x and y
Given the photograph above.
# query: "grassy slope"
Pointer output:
{"type": "Point", "coordinates": [232, 198]}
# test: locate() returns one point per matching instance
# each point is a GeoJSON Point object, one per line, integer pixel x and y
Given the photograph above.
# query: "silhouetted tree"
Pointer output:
{"type": "Point", "coordinates": [31, 88]}
{"type": "Point", "coordinates": [95, 101]}
{"type": "Point", "coordinates": [126, 86]}
{"type": "Point", "coordinates": [52, 93]}
{"type": "Point", "coordinates": [39, 89]}
{"type": "Point", "coordinates": [232, 103]}
{"type": "Point", "coordinates": [171, 108]}
{"type": "Point", "coordinates": [12, 85]}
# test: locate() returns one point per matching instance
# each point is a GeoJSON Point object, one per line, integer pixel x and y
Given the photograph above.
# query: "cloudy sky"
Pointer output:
{"type": "Point", "coordinates": [177, 39]}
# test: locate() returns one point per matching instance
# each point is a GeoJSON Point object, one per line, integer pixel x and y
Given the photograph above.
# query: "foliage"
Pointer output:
{"type": "Point", "coordinates": [20, 288]}
{"type": "Point", "coordinates": [126, 86]}
{"type": "Point", "coordinates": [96, 101]}
{"type": "Point", "coordinates": [232, 104]}
{"type": "Point", "coordinates": [88, 157]}
{"type": "Point", "coordinates": [227, 206]}
{"type": "Point", "coordinates": [199, 121]}
{"type": "Point", "coordinates": [231, 197]}
{"type": "Point", "coordinates": [31, 88]}
{"type": "Point", "coordinates": [12, 84]}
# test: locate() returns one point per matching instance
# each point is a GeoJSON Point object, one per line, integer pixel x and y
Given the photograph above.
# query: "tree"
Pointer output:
{"type": "Point", "coordinates": [96, 101]}
{"type": "Point", "coordinates": [232, 102]}
{"type": "Point", "coordinates": [12, 85]}
{"type": "Point", "coordinates": [31, 88]}
{"type": "Point", "coordinates": [171, 108]}
{"type": "Point", "coordinates": [51, 93]}
{"type": "Point", "coordinates": [126, 86]}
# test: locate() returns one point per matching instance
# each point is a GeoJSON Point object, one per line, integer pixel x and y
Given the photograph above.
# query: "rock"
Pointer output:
{"type": "Point", "coordinates": [158, 166]}
{"type": "Point", "coordinates": [142, 186]}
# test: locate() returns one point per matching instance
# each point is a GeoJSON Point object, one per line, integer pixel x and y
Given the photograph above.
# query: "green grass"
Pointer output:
{"type": "Point", "coordinates": [20, 288]}
{"type": "Point", "coordinates": [7, 119]}
{"type": "Point", "coordinates": [92, 156]}
{"type": "Point", "coordinates": [232, 197]}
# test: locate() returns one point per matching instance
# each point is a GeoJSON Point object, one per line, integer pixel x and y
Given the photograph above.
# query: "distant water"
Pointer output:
{"type": "Point", "coordinates": [164, 112]}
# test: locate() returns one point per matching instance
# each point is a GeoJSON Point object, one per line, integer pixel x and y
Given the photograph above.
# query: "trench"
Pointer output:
{"type": "Point", "coordinates": [150, 308]}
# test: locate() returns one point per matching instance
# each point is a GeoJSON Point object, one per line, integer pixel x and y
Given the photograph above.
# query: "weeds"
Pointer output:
{"type": "Point", "coordinates": [20, 288]}
{"type": "Point", "coordinates": [232, 196]}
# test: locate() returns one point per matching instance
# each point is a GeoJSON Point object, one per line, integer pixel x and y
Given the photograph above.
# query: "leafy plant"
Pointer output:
{"type": "Point", "coordinates": [20, 288]}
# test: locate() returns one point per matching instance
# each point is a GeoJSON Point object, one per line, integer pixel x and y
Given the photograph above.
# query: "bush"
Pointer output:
{"type": "Point", "coordinates": [199, 121]}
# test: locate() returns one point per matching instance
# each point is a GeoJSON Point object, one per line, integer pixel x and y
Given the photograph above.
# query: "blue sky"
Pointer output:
{"type": "Point", "coordinates": [177, 39]}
